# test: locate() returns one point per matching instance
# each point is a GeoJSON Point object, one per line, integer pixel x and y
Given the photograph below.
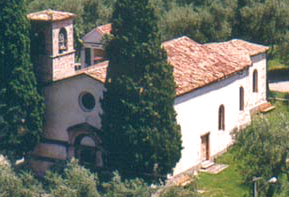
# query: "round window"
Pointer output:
{"type": "Point", "coordinates": [87, 101]}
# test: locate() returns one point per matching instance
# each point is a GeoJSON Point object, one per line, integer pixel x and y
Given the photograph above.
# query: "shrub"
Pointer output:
{"type": "Point", "coordinates": [18, 185]}
{"type": "Point", "coordinates": [132, 188]}
{"type": "Point", "coordinates": [76, 181]}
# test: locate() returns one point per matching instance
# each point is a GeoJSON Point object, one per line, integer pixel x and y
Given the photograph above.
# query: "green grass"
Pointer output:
{"type": "Point", "coordinates": [280, 106]}
{"type": "Point", "coordinates": [227, 183]}
{"type": "Point", "coordinates": [275, 64]}
{"type": "Point", "coordinates": [273, 95]}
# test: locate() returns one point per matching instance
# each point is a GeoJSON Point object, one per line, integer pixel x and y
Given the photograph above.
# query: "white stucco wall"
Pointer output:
{"type": "Point", "coordinates": [91, 40]}
{"type": "Point", "coordinates": [92, 37]}
{"type": "Point", "coordinates": [197, 112]}
{"type": "Point", "coordinates": [63, 109]}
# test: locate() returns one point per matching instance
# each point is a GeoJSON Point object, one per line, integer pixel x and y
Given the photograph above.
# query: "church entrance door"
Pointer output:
{"type": "Point", "coordinates": [205, 147]}
{"type": "Point", "coordinates": [85, 151]}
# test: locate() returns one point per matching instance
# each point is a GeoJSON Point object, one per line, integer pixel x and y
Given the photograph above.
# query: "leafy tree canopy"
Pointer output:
{"type": "Point", "coordinates": [139, 125]}
{"type": "Point", "coordinates": [262, 149]}
{"type": "Point", "coordinates": [260, 21]}
{"type": "Point", "coordinates": [21, 106]}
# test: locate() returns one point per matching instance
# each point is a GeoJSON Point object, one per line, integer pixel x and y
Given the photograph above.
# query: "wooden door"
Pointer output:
{"type": "Point", "coordinates": [205, 153]}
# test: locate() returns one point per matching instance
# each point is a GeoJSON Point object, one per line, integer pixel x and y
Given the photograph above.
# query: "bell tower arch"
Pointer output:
{"type": "Point", "coordinates": [52, 50]}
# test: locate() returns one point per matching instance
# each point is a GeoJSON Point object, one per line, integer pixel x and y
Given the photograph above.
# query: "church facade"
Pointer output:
{"type": "Point", "coordinates": [219, 86]}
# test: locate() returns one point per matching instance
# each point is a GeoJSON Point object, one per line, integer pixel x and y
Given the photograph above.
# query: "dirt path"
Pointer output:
{"type": "Point", "coordinates": [280, 86]}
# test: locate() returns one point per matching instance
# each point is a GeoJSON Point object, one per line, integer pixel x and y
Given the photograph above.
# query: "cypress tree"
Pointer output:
{"type": "Point", "coordinates": [140, 132]}
{"type": "Point", "coordinates": [21, 106]}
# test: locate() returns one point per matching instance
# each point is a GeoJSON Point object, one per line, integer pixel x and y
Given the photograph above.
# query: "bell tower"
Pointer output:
{"type": "Point", "coordinates": [52, 50]}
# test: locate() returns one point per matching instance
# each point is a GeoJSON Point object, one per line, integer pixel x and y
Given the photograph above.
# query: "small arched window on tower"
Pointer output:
{"type": "Point", "coordinates": [221, 123]}
{"type": "Point", "coordinates": [241, 94]}
{"type": "Point", "coordinates": [255, 81]}
{"type": "Point", "coordinates": [62, 40]}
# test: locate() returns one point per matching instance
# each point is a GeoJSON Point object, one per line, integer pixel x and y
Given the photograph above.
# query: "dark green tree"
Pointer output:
{"type": "Point", "coordinates": [262, 21]}
{"type": "Point", "coordinates": [95, 12]}
{"type": "Point", "coordinates": [181, 21]}
{"type": "Point", "coordinates": [216, 21]}
{"type": "Point", "coordinates": [140, 131]}
{"type": "Point", "coordinates": [194, 2]}
{"type": "Point", "coordinates": [21, 106]}
{"type": "Point", "coordinates": [203, 24]}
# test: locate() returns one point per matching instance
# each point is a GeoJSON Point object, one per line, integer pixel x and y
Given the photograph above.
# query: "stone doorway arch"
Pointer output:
{"type": "Point", "coordinates": [85, 145]}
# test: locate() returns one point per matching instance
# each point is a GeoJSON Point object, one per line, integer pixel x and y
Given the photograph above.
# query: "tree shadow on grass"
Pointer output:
{"type": "Point", "coordinates": [278, 75]}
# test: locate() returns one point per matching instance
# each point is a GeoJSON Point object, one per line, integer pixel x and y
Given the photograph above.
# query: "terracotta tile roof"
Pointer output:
{"type": "Point", "coordinates": [239, 46]}
{"type": "Point", "coordinates": [50, 15]}
{"type": "Point", "coordinates": [197, 65]}
{"type": "Point", "coordinates": [97, 71]}
{"type": "Point", "coordinates": [103, 29]}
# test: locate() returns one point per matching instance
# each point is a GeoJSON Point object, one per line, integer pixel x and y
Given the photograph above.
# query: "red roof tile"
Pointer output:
{"type": "Point", "coordinates": [97, 71]}
{"type": "Point", "coordinates": [104, 29]}
{"type": "Point", "coordinates": [50, 15]}
{"type": "Point", "coordinates": [196, 65]}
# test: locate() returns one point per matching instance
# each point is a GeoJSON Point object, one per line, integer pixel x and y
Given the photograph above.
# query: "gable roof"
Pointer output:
{"type": "Point", "coordinates": [197, 65]}
{"type": "Point", "coordinates": [100, 31]}
{"type": "Point", "coordinates": [104, 29]}
{"type": "Point", "coordinates": [50, 15]}
{"type": "Point", "coordinates": [97, 72]}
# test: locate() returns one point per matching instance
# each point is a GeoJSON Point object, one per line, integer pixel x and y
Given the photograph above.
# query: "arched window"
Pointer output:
{"type": "Point", "coordinates": [255, 81]}
{"type": "Point", "coordinates": [62, 40]}
{"type": "Point", "coordinates": [241, 94]}
{"type": "Point", "coordinates": [222, 117]}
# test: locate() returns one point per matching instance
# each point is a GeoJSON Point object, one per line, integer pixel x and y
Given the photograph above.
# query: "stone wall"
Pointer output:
{"type": "Point", "coordinates": [56, 26]}
{"type": "Point", "coordinates": [63, 63]}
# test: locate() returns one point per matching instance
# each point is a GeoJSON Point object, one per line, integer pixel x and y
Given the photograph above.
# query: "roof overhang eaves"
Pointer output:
{"type": "Point", "coordinates": [40, 16]}
{"type": "Point", "coordinates": [211, 82]}
{"type": "Point", "coordinates": [77, 75]}
{"type": "Point", "coordinates": [261, 52]}
{"type": "Point", "coordinates": [85, 126]}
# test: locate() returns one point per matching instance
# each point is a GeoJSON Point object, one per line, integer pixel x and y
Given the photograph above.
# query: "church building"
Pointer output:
{"type": "Point", "coordinates": [219, 87]}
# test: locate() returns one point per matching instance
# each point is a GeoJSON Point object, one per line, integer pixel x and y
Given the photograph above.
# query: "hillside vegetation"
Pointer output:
{"type": "Point", "coordinates": [259, 21]}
